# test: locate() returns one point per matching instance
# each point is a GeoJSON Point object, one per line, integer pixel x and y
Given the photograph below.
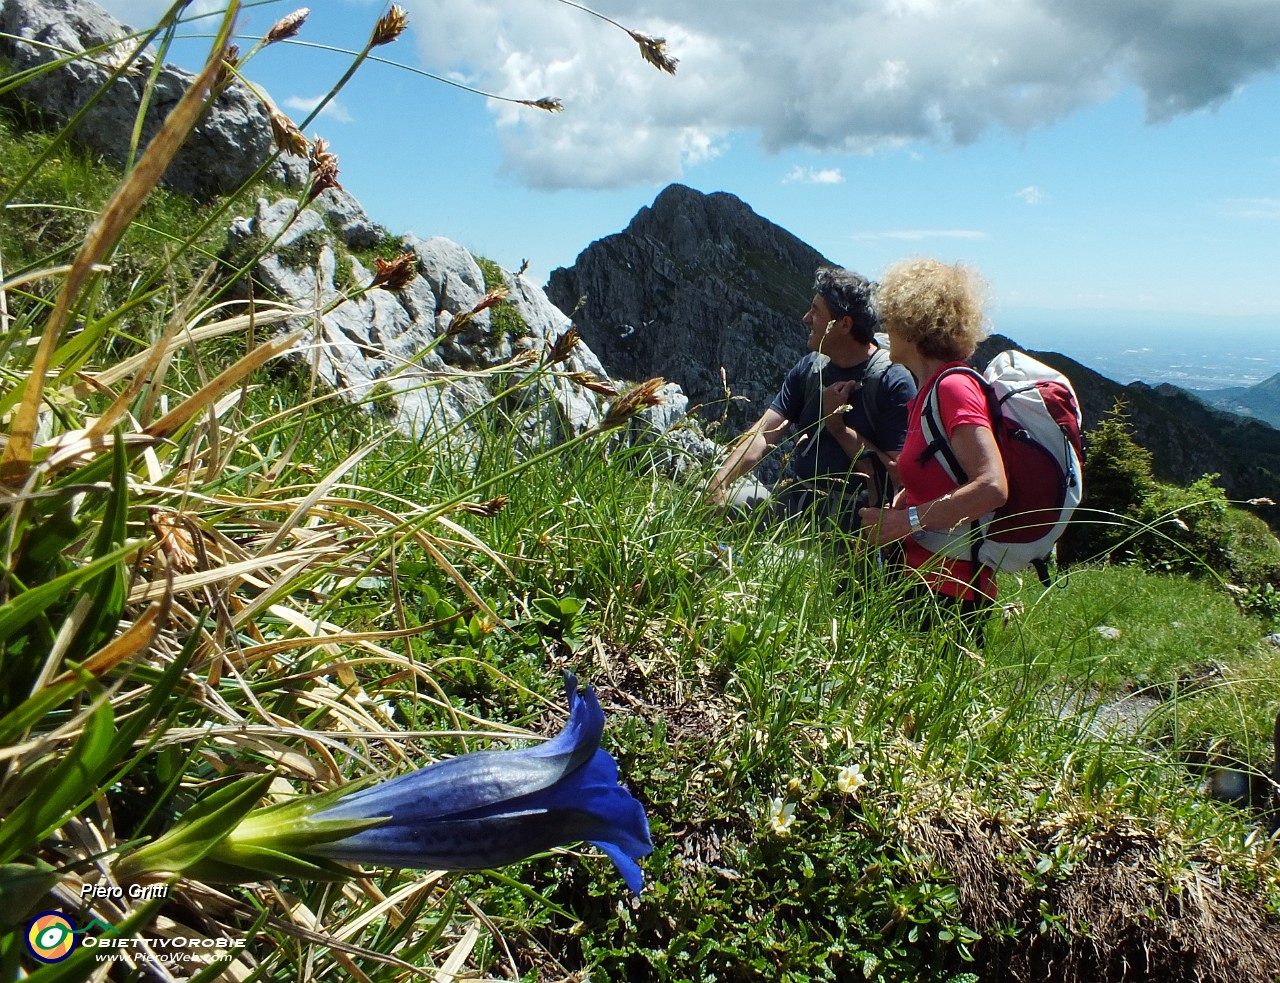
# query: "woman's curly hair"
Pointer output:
{"type": "Point", "coordinates": [937, 307]}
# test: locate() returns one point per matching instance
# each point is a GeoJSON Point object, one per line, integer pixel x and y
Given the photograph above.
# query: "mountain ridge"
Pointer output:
{"type": "Point", "coordinates": [1260, 401]}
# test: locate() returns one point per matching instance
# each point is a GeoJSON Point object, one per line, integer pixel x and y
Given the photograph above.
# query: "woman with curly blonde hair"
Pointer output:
{"type": "Point", "coordinates": [934, 315]}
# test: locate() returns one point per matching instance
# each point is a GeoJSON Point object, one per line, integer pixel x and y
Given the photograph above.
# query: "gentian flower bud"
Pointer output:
{"type": "Point", "coordinates": [491, 808]}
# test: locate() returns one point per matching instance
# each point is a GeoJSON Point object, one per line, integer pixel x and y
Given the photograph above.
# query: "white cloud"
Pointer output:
{"type": "Point", "coordinates": [1031, 195]}
{"type": "Point", "coordinates": [914, 235]}
{"type": "Point", "coordinates": [334, 110]}
{"type": "Point", "coordinates": [811, 175]}
{"type": "Point", "coordinates": [841, 78]}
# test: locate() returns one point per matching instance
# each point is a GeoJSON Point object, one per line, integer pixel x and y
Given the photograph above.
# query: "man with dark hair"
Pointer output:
{"type": "Point", "coordinates": [846, 406]}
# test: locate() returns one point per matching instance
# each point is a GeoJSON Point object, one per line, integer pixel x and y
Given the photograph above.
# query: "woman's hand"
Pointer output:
{"type": "Point", "coordinates": [884, 525]}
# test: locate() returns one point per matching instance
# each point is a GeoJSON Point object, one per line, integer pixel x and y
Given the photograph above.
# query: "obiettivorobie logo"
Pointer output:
{"type": "Point", "coordinates": [51, 938]}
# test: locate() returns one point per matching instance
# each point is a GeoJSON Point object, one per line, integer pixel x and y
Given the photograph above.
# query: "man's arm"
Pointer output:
{"type": "Point", "coordinates": [746, 453]}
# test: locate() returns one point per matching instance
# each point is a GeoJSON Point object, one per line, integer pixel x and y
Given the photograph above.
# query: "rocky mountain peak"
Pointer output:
{"type": "Point", "coordinates": [696, 285]}
{"type": "Point", "coordinates": [713, 228]}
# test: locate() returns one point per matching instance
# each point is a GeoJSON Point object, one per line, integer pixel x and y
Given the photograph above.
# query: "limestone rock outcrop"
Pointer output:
{"type": "Point", "coordinates": [400, 348]}
{"type": "Point", "coordinates": [228, 145]}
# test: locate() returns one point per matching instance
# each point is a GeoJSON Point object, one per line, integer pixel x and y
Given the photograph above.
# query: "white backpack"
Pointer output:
{"type": "Point", "coordinates": [1035, 417]}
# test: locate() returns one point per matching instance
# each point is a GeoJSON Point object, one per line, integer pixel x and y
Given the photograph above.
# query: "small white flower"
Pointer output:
{"type": "Point", "coordinates": [1009, 612]}
{"type": "Point", "coordinates": [850, 779]}
{"type": "Point", "coordinates": [1107, 632]}
{"type": "Point", "coordinates": [781, 815]}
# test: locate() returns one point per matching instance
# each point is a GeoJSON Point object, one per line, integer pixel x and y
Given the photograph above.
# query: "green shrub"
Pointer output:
{"type": "Point", "coordinates": [1117, 481]}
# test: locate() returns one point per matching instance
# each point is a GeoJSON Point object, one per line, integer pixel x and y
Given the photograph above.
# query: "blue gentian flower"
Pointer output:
{"type": "Point", "coordinates": [491, 808]}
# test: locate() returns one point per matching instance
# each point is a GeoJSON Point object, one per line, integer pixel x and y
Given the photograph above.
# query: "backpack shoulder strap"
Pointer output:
{"type": "Point", "coordinates": [877, 366]}
{"type": "Point", "coordinates": [966, 541]}
{"type": "Point", "coordinates": [935, 434]}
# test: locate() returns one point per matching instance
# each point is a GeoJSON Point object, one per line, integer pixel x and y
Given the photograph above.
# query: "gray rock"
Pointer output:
{"type": "Point", "coordinates": [344, 214]}
{"type": "Point", "coordinates": [398, 351]}
{"type": "Point", "coordinates": [458, 284]}
{"type": "Point", "coordinates": [228, 145]}
{"type": "Point", "coordinates": [376, 346]}
{"type": "Point", "coordinates": [661, 418]}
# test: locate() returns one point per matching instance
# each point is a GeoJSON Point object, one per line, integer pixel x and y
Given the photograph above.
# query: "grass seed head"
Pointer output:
{"type": "Point", "coordinates": [230, 62]}
{"type": "Point", "coordinates": [395, 274]}
{"type": "Point", "coordinates": [488, 508]}
{"type": "Point", "coordinates": [642, 397]}
{"type": "Point", "coordinates": [323, 166]}
{"type": "Point", "coordinates": [547, 103]}
{"type": "Point", "coordinates": [390, 26]}
{"type": "Point", "coordinates": [563, 346]}
{"type": "Point", "coordinates": [587, 381]}
{"type": "Point", "coordinates": [492, 298]}
{"type": "Point", "coordinates": [288, 26]}
{"type": "Point", "coordinates": [654, 51]}
{"type": "Point", "coordinates": [288, 137]}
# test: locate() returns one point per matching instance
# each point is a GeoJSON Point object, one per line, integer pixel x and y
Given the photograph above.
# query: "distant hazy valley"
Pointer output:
{"type": "Point", "coordinates": [1232, 364]}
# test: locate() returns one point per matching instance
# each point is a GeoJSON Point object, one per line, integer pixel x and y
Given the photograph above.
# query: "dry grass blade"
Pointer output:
{"type": "Point", "coordinates": [132, 642]}
{"type": "Point", "coordinates": [388, 907]}
{"type": "Point", "coordinates": [303, 509]}
{"type": "Point", "coordinates": [192, 336]}
{"type": "Point", "coordinates": [75, 447]}
{"type": "Point", "coordinates": [229, 377]}
{"type": "Point", "coordinates": [112, 222]}
{"type": "Point", "coordinates": [34, 276]}
{"type": "Point", "coordinates": [120, 405]}
{"type": "Point", "coordinates": [456, 576]}
{"type": "Point", "coordinates": [266, 650]}
{"type": "Point", "coordinates": [451, 971]}
{"type": "Point", "coordinates": [232, 571]}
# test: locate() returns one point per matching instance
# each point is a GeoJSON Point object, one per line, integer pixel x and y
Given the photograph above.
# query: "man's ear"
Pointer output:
{"type": "Point", "coordinates": [845, 324]}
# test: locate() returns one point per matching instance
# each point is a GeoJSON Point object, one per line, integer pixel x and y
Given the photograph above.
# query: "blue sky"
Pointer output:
{"type": "Point", "coordinates": [1111, 166]}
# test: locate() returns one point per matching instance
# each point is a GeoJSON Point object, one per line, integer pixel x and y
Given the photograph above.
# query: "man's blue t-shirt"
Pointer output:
{"type": "Point", "coordinates": [817, 454]}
